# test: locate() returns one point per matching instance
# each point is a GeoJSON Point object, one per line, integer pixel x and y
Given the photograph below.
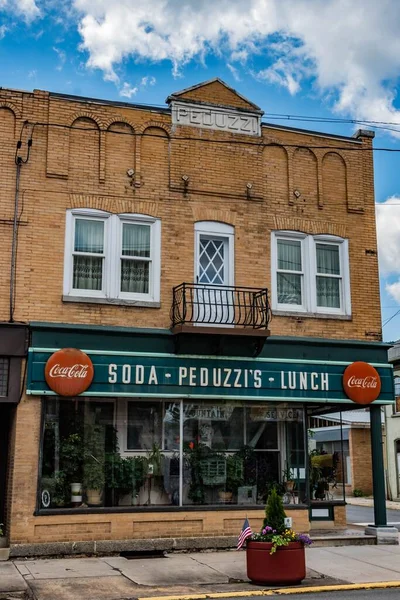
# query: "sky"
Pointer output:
{"type": "Point", "coordinates": [331, 59]}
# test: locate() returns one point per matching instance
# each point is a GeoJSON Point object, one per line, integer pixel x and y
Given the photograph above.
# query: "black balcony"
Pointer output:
{"type": "Point", "coordinates": [236, 310]}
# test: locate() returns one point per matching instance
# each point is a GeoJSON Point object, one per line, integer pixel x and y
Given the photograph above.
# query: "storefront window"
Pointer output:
{"type": "Point", "coordinates": [153, 452]}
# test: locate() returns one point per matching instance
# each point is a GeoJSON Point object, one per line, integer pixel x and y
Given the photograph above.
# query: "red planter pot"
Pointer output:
{"type": "Point", "coordinates": [286, 566]}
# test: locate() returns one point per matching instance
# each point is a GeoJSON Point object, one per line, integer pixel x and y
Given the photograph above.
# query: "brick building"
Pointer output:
{"type": "Point", "coordinates": [159, 241]}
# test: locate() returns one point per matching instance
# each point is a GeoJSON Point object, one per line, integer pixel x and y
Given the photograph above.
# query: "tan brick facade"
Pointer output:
{"type": "Point", "coordinates": [86, 166]}
{"type": "Point", "coordinates": [80, 156]}
{"type": "Point", "coordinates": [360, 459]}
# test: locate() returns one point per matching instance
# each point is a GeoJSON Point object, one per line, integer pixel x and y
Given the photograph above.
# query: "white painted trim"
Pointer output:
{"type": "Point", "coordinates": [217, 230]}
{"type": "Point", "coordinates": [112, 256]}
{"type": "Point", "coordinates": [309, 265]}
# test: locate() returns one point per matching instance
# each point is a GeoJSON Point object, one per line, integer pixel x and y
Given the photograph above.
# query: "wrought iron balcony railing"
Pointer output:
{"type": "Point", "coordinates": [220, 305]}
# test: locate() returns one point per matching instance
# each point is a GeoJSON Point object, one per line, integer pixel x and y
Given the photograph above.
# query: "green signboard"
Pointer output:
{"type": "Point", "coordinates": [172, 376]}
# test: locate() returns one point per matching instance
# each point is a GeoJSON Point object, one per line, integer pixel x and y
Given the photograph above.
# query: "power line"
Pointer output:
{"type": "Point", "coordinates": [258, 144]}
{"type": "Point", "coordinates": [390, 318]}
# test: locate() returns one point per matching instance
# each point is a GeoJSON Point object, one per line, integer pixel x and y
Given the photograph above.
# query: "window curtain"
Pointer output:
{"type": "Point", "coordinates": [328, 288]}
{"type": "Point", "coordinates": [289, 284]}
{"type": "Point", "coordinates": [88, 270]}
{"type": "Point", "coordinates": [135, 274]}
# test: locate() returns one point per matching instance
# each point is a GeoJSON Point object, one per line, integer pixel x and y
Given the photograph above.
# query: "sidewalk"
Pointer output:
{"type": "Point", "coordinates": [390, 505]}
{"type": "Point", "coordinates": [194, 574]}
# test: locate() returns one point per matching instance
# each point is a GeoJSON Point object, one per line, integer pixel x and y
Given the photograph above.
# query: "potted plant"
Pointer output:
{"type": "Point", "coordinates": [125, 476]}
{"type": "Point", "coordinates": [288, 479]}
{"type": "Point", "coordinates": [276, 554]}
{"type": "Point", "coordinates": [94, 464]}
{"type": "Point", "coordinates": [4, 550]}
{"type": "Point", "coordinates": [234, 475]}
{"type": "Point", "coordinates": [71, 449]}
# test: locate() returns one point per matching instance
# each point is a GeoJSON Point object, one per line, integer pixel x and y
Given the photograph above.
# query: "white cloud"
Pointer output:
{"type": "Point", "coordinates": [26, 9]}
{"type": "Point", "coordinates": [351, 47]}
{"type": "Point", "coordinates": [127, 91]}
{"type": "Point", "coordinates": [234, 72]}
{"type": "Point", "coordinates": [393, 289]}
{"type": "Point", "coordinates": [148, 80]}
{"type": "Point", "coordinates": [3, 30]}
{"type": "Point", "coordinates": [61, 56]}
{"type": "Point", "coordinates": [388, 230]}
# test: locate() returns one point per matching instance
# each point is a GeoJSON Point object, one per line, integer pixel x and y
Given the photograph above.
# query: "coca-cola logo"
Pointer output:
{"type": "Point", "coordinates": [361, 382]}
{"type": "Point", "coordinates": [69, 372]}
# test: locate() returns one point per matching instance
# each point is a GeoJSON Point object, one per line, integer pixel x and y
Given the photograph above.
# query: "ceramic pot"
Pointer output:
{"type": "Point", "coordinates": [285, 567]}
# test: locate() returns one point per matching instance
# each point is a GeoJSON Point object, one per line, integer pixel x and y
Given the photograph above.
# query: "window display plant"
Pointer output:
{"type": "Point", "coordinates": [276, 554]}
{"type": "Point", "coordinates": [94, 463]}
{"type": "Point", "coordinates": [234, 473]}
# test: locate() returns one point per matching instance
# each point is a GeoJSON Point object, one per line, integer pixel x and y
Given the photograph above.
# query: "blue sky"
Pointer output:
{"type": "Point", "coordinates": [323, 58]}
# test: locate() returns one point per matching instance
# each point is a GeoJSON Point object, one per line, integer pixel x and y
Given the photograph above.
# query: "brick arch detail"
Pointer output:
{"type": "Point", "coordinates": [334, 153]}
{"type": "Point", "coordinates": [201, 213]}
{"type": "Point", "coordinates": [311, 227]}
{"type": "Point", "coordinates": [87, 115]}
{"type": "Point", "coordinates": [118, 119]}
{"type": "Point", "coordinates": [157, 125]}
{"type": "Point", "coordinates": [14, 109]}
{"type": "Point", "coordinates": [115, 205]}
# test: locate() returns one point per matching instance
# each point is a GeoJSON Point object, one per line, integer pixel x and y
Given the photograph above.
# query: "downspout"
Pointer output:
{"type": "Point", "coordinates": [18, 162]}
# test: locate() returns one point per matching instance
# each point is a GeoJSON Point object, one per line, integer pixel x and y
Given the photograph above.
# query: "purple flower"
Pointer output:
{"type": "Point", "coordinates": [304, 539]}
{"type": "Point", "coordinates": [267, 530]}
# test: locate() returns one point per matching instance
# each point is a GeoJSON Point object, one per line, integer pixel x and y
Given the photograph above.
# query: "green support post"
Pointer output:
{"type": "Point", "coordinates": [378, 472]}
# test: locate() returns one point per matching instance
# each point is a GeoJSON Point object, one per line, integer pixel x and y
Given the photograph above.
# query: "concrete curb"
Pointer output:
{"type": "Point", "coordinates": [282, 591]}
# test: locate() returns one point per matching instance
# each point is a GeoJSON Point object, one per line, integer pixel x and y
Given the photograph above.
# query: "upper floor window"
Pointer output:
{"type": "Point", "coordinates": [112, 257]}
{"type": "Point", "coordinates": [310, 274]}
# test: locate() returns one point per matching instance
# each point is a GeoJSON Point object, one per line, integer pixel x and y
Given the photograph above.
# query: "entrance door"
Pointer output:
{"type": "Point", "coordinates": [214, 303]}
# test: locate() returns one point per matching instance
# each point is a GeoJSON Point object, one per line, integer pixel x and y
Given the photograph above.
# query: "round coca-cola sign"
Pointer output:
{"type": "Point", "coordinates": [69, 372]}
{"type": "Point", "coordinates": [361, 382]}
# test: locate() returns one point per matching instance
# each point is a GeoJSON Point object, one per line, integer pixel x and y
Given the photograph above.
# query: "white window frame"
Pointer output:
{"type": "Point", "coordinates": [218, 230]}
{"type": "Point", "coordinates": [111, 280]}
{"type": "Point", "coordinates": [309, 270]}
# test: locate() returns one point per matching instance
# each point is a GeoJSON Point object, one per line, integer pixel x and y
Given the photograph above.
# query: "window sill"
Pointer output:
{"type": "Point", "coordinates": [112, 302]}
{"type": "Point", "coordinates": [41, 512]}
{"type": "Point", "coordinates": [306, 315]}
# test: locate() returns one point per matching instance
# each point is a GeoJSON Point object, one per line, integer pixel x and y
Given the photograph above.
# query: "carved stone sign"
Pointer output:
{"type": "Point", "coordinates": [219, 119]}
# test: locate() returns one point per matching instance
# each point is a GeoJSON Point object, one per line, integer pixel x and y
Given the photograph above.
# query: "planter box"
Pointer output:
{"type": "Point", "coordinates": [286, 566]}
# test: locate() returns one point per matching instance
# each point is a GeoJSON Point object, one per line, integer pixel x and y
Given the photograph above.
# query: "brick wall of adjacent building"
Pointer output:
{"type": "Point", "coordinates": [86, 166]}
{"type": "Point", "coordinates": [360, 459]}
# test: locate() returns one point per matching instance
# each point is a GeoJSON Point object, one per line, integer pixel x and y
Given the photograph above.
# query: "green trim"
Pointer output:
{"type": "Point", "coordinates": [100, 328]}
{"type": "Point", "coordinates": [213, 397]}
{"type": "Point", "coordinates": [162, 331]}
{"type": "Point", "coordinates": [211, 357]}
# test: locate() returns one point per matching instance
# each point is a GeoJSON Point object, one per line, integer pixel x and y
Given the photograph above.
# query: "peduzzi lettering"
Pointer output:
{"type": "Point", "coordinates": [221, 119]}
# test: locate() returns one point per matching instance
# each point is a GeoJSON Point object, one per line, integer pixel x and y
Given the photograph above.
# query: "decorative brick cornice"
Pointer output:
{"type": "Point", "coordinates": [309, 226]}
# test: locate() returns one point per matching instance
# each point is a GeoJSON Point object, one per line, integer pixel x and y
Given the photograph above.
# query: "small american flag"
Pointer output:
{"type": "Point", "coordinates": [244, 534]}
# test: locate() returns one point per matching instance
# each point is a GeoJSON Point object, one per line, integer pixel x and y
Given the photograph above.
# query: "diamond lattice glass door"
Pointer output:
{"type": "Point", "coordinates": [213, 302]}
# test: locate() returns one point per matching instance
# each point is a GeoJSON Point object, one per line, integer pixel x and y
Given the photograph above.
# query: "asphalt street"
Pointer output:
{"type": "Point", "coordinates": [365, 514]}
